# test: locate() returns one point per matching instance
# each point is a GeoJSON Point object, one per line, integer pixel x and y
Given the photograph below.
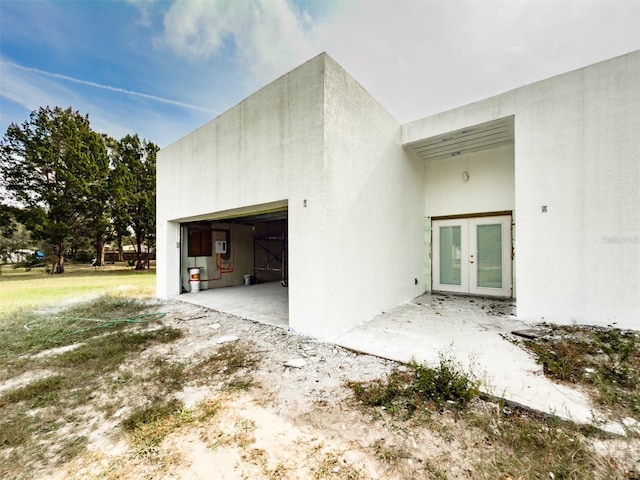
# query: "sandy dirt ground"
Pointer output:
{"type": "Point", "coordinates": [293, 422]}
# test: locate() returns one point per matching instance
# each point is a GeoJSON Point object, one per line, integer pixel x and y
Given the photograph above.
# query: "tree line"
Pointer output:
{"type": "Point", "coordinates": [65, 183]}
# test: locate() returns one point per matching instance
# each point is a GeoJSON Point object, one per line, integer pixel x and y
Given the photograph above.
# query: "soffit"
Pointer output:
{"type": "Point", "coordinates": [466, 140]}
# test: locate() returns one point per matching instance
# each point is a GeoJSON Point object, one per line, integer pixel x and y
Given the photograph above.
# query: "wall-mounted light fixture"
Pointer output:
{"type": "Point", "coordinates": [465, 176]}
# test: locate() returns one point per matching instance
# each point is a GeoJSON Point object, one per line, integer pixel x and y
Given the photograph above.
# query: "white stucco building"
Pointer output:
{"type": "Point", "coordinates": [532, 194]}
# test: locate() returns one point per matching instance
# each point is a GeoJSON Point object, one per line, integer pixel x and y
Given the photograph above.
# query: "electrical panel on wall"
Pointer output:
{"type": "Point", "coordinates": [221, 246]}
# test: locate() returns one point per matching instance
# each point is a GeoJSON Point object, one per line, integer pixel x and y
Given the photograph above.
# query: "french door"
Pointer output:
{"type": "Point", "coordinates": [472, 255]}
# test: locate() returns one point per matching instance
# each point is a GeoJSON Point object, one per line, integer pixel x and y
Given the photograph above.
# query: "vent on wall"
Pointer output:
{"type": "Point", "coordinates": [466, 140]}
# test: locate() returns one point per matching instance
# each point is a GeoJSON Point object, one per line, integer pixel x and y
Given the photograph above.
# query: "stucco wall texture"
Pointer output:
{"type": "Point", "coordinates": [316, 141]}
{"type": "Point", "coordinates": [577, 152]}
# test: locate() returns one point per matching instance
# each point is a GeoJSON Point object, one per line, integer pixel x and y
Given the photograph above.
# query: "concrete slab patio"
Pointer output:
{"type": "Point", "coordinates": [474, 331]}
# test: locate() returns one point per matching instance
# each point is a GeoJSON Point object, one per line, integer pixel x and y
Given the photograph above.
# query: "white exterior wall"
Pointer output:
{"type": "Point", "coordinates": [265, 150]}
{"type": "Point", "coordinates": [490, 187]}
{"type": "Point", "coordinates": [314, 135]}
{"type": "Point", "coordinates": [576, 152]}
{"type": "Point", "coordinates": [373, 199]}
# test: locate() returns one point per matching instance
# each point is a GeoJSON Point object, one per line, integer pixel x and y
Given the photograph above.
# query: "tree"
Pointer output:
{"type": "Point", "coordinates": [48, 167]}
{"type": "Point", "coordinates": [13, 235]}
{"type": "Point", "coordinates": [134, 168]}
{"type": "Point", "coordinates": [120, 180]}
{"type": "Point", "coordinates": [97, 220]}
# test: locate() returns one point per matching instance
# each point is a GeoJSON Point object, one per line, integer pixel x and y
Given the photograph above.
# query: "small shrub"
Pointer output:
{"type": "Point", "coordinates": [446, 384]}
{"type": "Point", "coordinates": [419, 387]}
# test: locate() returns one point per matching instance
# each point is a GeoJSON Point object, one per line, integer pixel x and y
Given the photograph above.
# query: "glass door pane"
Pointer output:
{"type": "Point", "coordinates": [450, 255]}
{"type": "Point", "coordinates": [489, 257]}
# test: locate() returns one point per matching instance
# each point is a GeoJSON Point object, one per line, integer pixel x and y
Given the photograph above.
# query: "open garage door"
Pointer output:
{"type": "Point", "coordinates": [234, 250]}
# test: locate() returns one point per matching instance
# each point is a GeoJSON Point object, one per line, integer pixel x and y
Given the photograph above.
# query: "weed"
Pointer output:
{"type": "Point", "coordinates": [207, 409]}
{"type": "Point", "coordinates": [15, 431]}
{"type": "Point", "coordinates": [419, 387]}
{"type": "Point", "coordinates": [392, 455]}
{"type": "Point", "coordinates": [605, 359]}
{"type": "Point", "coordinates": [446, 384]}
{"type": "Point", "coordinates": [526, 446]}
{"type": "Point", "coordinates": [151, 414]}
{"type": "Point", "coordinates": [231, 357]}
{"type": "Point", "coordinates": [149, 425]}
{"type": "Point", "coordinates": [563, 360]}
{"type": "Point", "coordinates": [168, 376]}
{"type": "Point", "coordinates": [37, 393]}
{"type": "Point", "coordinates": [70, 448]}
{"type": "Point", "coordinates": [330, 467]}
{"type": "Point", "coordinates": [228, 360]}
{"type": "Point", "coordinates": [240, 384]}
{"type": "Point", "coordinates": [434, 472]}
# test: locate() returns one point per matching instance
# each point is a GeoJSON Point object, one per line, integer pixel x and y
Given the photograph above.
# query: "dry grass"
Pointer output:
{"type": "Point", "coordinates": [509, 443]}
{"type": "Point", "coordinates": [606, 361]}
{"type": "Point", "coordinates": [43, 418]}
{"type": "Point", "coordinates": [431, 424]}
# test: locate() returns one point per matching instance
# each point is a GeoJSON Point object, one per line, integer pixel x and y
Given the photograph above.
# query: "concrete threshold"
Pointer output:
{"type": "Point", "coordinates": [264, 302]}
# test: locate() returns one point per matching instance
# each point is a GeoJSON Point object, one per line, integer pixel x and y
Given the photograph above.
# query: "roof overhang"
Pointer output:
{"type": "Point", "coordinates": [467, 140]}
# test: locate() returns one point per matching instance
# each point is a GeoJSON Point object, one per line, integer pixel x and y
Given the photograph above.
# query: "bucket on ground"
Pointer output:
{"type": "Point", "coordinates": [247, 279]}
{"type": "Point", "coordinates": [194, 279]}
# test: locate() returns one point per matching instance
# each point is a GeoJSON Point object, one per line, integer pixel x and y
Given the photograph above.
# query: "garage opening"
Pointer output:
{"type": "Point", "coordinates": [248, 255]}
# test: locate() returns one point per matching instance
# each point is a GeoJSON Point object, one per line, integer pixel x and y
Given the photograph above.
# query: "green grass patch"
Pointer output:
{"type": "Point", "coordinates": [21, 290]}
{"type": "Point", "coordinates": [15, 431]}
{"type": "Point", "coordinates": [106, 353]}
{"type": "Point", "coordinates": [167, 376]}
{"type": "Point", "coordinates": [419, 387]}
{"type": "Point", "coordinates": [29, 332]}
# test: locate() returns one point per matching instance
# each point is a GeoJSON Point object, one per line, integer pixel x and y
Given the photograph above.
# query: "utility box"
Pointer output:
{"type": "Point", "coordinates": [221, 246]}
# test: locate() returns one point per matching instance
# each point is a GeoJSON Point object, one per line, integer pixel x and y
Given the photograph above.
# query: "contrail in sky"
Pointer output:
{"type": "Point", "coordinates": [109, 87]}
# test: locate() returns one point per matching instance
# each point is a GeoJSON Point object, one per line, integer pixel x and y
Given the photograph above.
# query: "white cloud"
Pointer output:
{"type": "Point", "coordinates": [419, 58]}
{"type": "Point", "coordinates": [267, 38]}
{"type": "Point", "coordinates": [144, 7]}
{"type": "Point", "coordinates": [415, 57]}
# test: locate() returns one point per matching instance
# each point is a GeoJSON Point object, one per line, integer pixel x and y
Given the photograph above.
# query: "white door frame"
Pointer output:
{"type": "Point", "coordinates": [468, 282]}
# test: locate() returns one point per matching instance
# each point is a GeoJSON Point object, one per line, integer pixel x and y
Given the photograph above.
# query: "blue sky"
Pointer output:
{"type": "Point", "coordinates": [163, 68]}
